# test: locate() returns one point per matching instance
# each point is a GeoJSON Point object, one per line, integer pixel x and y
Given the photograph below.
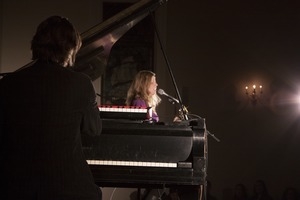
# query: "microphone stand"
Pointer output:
{"type": "Point", "coordinates": [173, 79]}
{"type": "Point", "coordinates": [169, 69]}
{"type": "Point", "coordinates": [213, 136]}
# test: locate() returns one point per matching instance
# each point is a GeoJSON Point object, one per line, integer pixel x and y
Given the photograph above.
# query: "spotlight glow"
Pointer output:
{"type": "Point", "coordinates": [298, 101]}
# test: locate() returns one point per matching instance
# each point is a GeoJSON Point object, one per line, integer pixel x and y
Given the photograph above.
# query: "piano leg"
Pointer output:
{"type": "Point", "coordinates": [201, 194]}
{"type": "Point", "coordinates": [139, 196]}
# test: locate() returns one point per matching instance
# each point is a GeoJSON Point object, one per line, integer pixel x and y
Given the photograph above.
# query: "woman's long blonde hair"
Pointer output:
{"type": "Point", "coordinates": [139, 89]}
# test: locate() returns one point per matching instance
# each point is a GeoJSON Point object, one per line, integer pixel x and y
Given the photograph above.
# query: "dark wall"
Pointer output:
{"type": "Point", "coordinates": [215, 50]}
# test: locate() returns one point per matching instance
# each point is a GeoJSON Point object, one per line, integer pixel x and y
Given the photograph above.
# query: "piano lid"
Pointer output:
{"type": "Point", "coordinates": [97, 42]}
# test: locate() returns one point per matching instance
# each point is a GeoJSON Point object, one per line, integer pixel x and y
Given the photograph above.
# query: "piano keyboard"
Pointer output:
{"type": "Point", "coordinates": [123, 112]}
{"type": "Point", "coordinates": [131, 109]}
{"type": "Point", "coordinates": [131, 163]}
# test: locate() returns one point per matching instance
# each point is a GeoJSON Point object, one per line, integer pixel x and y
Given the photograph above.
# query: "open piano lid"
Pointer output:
{"type": "Point", "coordinates": [97, 42]}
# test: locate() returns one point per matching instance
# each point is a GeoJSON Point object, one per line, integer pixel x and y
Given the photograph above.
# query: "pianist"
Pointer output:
{"type": "Point", "coordinates": [142, 92]}
{"type": "Point", "coordinates": [44, 108]}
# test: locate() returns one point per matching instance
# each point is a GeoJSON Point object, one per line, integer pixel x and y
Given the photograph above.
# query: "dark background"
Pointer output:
{"type": "Point", "coordinates": [216, 49]}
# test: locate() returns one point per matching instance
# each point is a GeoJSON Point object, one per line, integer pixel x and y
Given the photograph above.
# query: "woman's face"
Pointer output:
{"type": "Point", "coordinates": [152, 87]}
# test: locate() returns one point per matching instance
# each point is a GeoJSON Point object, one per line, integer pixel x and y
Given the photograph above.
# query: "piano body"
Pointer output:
{"type": "Point", "coordinates": [137, 153]}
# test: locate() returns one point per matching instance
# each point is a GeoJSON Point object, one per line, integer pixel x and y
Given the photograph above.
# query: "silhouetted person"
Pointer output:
{"type": "Point", "coordinates": [45, 107]}
{"type": "Point", "coordinates": [209, 196]}
{"type": "Point", "coordinates": [240, 192]}
{"type": "Point", "coordinates": [260, 191]}
{"type": "Point", "coordinates": [290, 193]}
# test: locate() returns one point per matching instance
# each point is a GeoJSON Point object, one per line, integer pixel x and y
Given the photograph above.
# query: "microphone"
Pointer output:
{"type": "Point", "coordinates": [162, 92]}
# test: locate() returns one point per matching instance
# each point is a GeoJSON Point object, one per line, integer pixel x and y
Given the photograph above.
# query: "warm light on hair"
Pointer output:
{"type": "Point", "coordinates": [139, 89]}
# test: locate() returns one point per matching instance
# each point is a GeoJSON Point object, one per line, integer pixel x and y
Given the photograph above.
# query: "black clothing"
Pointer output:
{"type": "Point", "coordinates": [44, 109]}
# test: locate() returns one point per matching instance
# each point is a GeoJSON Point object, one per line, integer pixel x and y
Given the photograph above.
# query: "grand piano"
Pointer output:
{"type": "Point", "coordinates": [134, 152]}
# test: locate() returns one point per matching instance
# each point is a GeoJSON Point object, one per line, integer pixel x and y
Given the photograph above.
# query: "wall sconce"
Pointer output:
{"type": "Point", "coordinates": [253, 94]}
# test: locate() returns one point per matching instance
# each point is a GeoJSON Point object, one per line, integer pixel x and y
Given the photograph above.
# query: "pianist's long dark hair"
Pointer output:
{"type": "Point", "coordinates": [139, 89]}
{"type": "Point", "coordinates": [56, 40]}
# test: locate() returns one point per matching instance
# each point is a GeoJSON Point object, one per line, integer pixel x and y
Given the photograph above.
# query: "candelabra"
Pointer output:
{"type": "Point", "coordinates": [254, 95]}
